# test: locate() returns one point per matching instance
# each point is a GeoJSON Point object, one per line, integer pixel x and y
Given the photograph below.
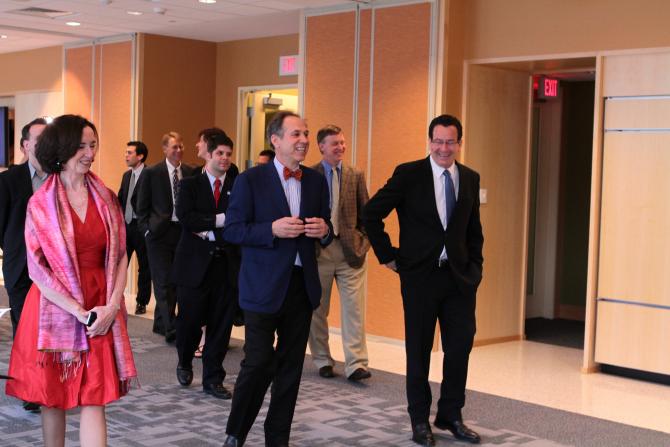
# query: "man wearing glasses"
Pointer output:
{"type": "Point", "coordinates": [439, 260]}
{"type": "Point", "coordinates": [157, 220]}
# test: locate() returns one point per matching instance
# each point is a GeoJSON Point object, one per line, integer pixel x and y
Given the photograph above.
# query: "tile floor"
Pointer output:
{"type": "Point", "coordinates": [537, 373]}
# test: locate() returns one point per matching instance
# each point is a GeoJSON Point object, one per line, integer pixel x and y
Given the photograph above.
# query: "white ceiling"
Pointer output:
{"type": "Point", "coordinates": [217, 22]}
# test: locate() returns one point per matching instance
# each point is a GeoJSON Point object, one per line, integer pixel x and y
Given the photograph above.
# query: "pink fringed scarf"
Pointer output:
{"type": "Point", "coordinates": [52, 262]}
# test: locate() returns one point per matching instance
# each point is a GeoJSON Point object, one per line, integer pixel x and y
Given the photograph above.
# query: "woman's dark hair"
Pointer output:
{"type": "Point", "coordinates": [60, 140]}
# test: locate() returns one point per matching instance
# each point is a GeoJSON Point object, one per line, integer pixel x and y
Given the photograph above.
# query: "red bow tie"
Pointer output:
{"type": "Point", "coordinates": [297, 174]}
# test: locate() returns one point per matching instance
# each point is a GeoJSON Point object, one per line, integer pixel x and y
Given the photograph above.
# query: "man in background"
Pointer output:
{"type": "Point", "coordinates": [136, 156]}
{"type": "Point", "coordinates": [17, 185]}
{"type": "Point", "coordinates": [265, 156]}
{"type": "Point", "coordinates": [342, 261]}
{"type": "Point", "coordinates": [157, 220]}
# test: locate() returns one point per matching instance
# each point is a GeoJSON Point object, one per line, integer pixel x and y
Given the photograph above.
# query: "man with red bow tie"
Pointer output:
{"type": "Point", "coordinates": [278, 212]}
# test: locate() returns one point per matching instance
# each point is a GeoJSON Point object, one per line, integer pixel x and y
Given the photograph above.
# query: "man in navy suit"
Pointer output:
{"type": "Point", "coordinates": [205, 268]}
{"type": "Point", "coordinates": [277, 213]}
{"type": "Point", "coordinates": [439, 260]}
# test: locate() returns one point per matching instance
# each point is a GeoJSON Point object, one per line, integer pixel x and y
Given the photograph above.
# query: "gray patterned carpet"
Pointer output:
{"type": "Point", "coordinates": [330, 412]}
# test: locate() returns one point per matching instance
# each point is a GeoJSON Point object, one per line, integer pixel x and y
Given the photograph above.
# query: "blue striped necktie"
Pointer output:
{"type": "Point", "coordinates": [449, 194]}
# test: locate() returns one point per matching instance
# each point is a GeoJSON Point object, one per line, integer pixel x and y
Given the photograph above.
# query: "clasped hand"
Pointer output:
{"type": "Point", "coordinates": [104, 320]}
{"type": "Point", "coordinates": [292, 227]}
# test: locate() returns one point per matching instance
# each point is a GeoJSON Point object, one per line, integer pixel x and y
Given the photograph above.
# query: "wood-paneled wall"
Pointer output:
{"type": "Point", "coordinates": [98, 85]}
{"type": "Point", "coordinates": [389, 86]}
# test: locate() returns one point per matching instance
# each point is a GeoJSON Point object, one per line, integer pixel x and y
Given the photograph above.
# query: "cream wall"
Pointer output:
{"type": "Point", "coordinates": [28, 106]}
{"type": "Point", "coordinates": [496, 28]}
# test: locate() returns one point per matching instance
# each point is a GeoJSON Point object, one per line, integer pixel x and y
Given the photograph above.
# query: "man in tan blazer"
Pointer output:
{"type": "Point", "coordinates": [343, 261]}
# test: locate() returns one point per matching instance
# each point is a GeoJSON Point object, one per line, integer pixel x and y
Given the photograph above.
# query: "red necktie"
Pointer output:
{"type": "Point", "coordinates": [217, 191]}
{"type": "Point", "coordinates": [297, 174]}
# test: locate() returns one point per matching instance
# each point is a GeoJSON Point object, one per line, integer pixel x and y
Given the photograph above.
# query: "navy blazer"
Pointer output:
{"type": "Point", "coordinates": [257, 200]}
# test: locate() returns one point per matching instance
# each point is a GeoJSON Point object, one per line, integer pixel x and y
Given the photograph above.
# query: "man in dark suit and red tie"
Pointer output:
{"type": "Point", "coordinates": [205, 268]}
{"type": "Point", "coordinates": [278, 212]}
{"type": "Point", "coordinates": [439, 260]}
{"type": "Point", "coordinates": [136, 155]}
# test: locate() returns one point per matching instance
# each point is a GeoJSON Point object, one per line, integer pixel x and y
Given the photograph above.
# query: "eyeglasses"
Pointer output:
{"type": "Point", "coordinates": [449, 143]}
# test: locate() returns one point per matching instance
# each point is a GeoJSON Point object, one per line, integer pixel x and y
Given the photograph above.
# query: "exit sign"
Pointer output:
{"type": "Point", "coordinates": [288, 65]}
{"type": "Point", "coordinates": [547, 88]}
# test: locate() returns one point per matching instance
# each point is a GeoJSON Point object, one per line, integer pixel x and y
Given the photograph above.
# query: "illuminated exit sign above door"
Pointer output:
{"type": "Point", "coordinates": [288, 65]}
{"type": "Point", "coordinates": [547, 88]}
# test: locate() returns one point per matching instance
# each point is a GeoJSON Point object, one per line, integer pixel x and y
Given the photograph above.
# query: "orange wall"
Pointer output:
{"type": "Point", "coordinates": [177, 91]}
{"type": "Point", "coordinates": [248, 62]}
{"type": "Point", "coordinates": [532, 27]}
{"type": "Point", "coordinates": [34, 70]}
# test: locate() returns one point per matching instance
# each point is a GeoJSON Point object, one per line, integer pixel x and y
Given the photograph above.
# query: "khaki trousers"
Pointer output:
{"type": "Point", "coordinates": [351, 286]}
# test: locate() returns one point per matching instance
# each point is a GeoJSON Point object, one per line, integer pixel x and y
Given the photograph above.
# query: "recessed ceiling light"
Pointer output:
{"type": "Point", "coordinates": [72, 23]}
{"type": "Point", "coordinates": [208, 2]}
{"type": "Point", "coordinates": [2, 36]}
{"type": "Point", "coordinates": [134, 13]}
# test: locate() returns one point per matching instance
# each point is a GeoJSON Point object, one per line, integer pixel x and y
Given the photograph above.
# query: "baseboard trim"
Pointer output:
{"type": "Point", "coordinates": [491, 341]}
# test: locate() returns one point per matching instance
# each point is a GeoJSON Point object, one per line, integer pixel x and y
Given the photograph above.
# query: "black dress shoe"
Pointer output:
{"type": "Point", "coordinates": [140, 309]}
{"type": "Point", "coordinates": [184, 376]}
{"type": "Point", "coordinates": [359, 374]}
{"type": "Point", "coordinates": [459, 430]}
{"type": "Point", "coordinates": [422, 435]}
{"type": "Point", "coordinates": [327, 372]}
{"type": "Point", "coordinates": [232, 441]}
{"type": "Point", "coordinates": [31, 407]}
{"type": "Point", "coordinates": [170, 336]}
{"type": "Point", "coordinates": [217, 390]}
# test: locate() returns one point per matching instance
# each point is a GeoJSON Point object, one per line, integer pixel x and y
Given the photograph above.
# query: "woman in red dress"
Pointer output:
{"type": "Point", "coordinates": [62, 356]}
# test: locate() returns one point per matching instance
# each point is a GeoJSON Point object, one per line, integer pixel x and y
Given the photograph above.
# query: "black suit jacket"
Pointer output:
{"type": "Point", "coordinates": [15, 190]}
{"type": "Point", "coordinates": [154, 198]}
{"type": "Point", "coordinates": [125, 186]}
{"type": "Point", "coordinates": [197, 212]}
{"type": "Point", "coordinates": [411, 193]}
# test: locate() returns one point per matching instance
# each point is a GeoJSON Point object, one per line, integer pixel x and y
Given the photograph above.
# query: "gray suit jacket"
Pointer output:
{"type": "Point", "coordinates": [353, 197]}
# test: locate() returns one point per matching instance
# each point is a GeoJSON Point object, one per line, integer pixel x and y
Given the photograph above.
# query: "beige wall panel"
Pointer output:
{"type": "Point", "coordinates": [637, 74]}
{"type": "Point", "coordinates": [29, 71]}
{"type": "Point", "coordinates": [632, 336]}
{"type": "Point", "coordinates": [363, 121]}
{"type": "Point", "coordinates": [530, 27]}
{"type": "Point", "coordinates": [399, 123]}
{"type": "Point", "coordinates": [115, 109]}
{"type": "Point", "coordinates": [634, 241]}
{"type": "Point", "coordinates": [178, 91]}
{"type": "Point", "coordinates": [78, 94]}
{"type": "Point", "coordinates": [638, 114]}
{"type": "Point", "coordinates": [248, 62]}
{"type": "Point", "coordinates": [329, 67]}
{"type": "Point", "coordinates": [496, 145]}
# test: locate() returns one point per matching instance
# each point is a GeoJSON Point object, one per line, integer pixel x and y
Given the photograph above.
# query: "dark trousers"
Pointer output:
{"type": "Point", "coordinates": [161, 251]}
{"type": "Point", "coordinates": [17, 297]}
{"type": "Point", "coordinates": [210, 304]}
{"type": "Point", "coordinates": [263, 364]}
{"type": "Point", "coordinates": [437, 298]}
{"type": "Point", "coordinates": [135, 244]}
